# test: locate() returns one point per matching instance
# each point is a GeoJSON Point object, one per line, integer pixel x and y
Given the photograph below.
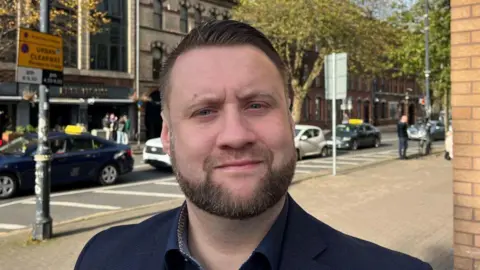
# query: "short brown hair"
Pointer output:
{"type": "Point", "coordinates": [219, 33]}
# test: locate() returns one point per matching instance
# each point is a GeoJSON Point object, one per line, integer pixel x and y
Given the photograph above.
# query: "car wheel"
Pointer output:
{"type": "Point", "coordinates": [299, 157]}
{"type": "Point", "coordinates": [8, 185]}
{"type": "Point", "coordinates": [324, 152]}
{"type": "Point", "coordinates": [108, 175]}
{"type": "Point", "coordinates": [377, 143]}
{"type": "Point", "coordinates": [354, 145]}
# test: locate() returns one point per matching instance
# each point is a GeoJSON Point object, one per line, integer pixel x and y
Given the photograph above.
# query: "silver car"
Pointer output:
{"type": "Point", "coordinates": [417, 131]}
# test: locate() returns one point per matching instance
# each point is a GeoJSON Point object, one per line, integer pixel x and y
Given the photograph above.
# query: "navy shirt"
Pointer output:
{"type": "Point", "coordinates": [266, 256]}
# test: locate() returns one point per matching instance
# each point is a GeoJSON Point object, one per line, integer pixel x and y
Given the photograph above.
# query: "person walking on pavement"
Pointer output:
{"type": "Point", "coordinates": [106, 126]}
{"type": "Point", "coordinates": [120, 130]}
{"type": "Point", "coordinates": [402, 127]}
{"type": "Point", "coordinates": [231, 143]}
{"type": "Point", "coordinates": [126, 135]}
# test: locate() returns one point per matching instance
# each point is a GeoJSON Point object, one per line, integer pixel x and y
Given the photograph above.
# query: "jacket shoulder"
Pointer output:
{"type": "Point", "coordinates": [112, 242]}
{"type": "Point", "coordinates": [363, 254]}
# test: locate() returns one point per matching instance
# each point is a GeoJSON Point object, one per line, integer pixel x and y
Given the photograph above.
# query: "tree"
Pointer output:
{"type": "Point", "coordinates": [316, 28]}
{"type": "Point", "coordinates": [64, 15]}
{"type": "Point", "coordinates": [409, 56]}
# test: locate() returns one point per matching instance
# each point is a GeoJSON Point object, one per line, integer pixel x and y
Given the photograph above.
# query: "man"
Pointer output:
{"type": "Point", "coordinates": [402, 127]}
{"type": "Point", "coordinates": [229, 133]}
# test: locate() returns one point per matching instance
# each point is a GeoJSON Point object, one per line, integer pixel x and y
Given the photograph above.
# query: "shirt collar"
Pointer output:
{"type": "Point", "coordinates": [270, 246]}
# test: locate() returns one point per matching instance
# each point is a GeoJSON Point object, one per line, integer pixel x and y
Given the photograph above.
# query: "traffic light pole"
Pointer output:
{"type": "Point", "coordinates": [42, 228]}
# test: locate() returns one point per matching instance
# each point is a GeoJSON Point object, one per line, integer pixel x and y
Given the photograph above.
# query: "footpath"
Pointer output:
{"type": "Point", "coordinates": [404, 205]}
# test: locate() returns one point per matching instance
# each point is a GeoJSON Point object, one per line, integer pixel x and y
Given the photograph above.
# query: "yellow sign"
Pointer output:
{"type": "Point", "coordinates": [74, 130]}
{"type": "Point", "coordinates": [355, 121]}
{"type": "Point", "coordinates": [40, 50]}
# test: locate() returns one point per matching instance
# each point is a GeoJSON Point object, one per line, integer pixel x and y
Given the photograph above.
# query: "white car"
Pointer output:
{"type": "Point", "coordinates": [154, 155]}
{"type": "Point", "coordinates": [309, 141]}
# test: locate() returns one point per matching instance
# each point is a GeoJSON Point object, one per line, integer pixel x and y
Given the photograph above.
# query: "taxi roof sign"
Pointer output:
{"type": "Point", "coordinates": [355, 121]}
{"type": "Point", "coordinates": [74, 130]}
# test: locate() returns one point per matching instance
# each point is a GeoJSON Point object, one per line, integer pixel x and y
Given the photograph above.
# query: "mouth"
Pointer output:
{"type": "Point", "coordinates": [239, 165]}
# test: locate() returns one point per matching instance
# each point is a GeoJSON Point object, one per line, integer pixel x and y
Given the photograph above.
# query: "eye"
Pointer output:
{"type": "Point", "coordinates": [256, 106]}
{"type": "Point", "coordinates": [203, 112]}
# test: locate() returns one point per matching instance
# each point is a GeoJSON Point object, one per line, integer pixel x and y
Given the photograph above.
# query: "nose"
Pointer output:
{"type": "Point", "coordinates": [236, 131]}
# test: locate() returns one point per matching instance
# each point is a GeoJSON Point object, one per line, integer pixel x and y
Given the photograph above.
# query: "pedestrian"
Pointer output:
{"type": "Point", "coordinates": [231, 143]}
{"type": "Point", "coordinates": [121, 130]}
{"type": "Point", "coordinates": [106, 126]}
{"type": "Point", "coordinates": [126, 136]}
{"type": "Point", "coordinates": [402, 127]}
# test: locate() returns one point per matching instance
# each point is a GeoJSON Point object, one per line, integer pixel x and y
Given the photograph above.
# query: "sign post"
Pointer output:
{"type": "Point", "coordinates": [40, 61]}
{"type": "Point", "coordinates": [335, 88]}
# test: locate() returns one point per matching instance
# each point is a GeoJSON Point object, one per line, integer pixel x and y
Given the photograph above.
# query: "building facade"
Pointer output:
{"type": "Point", "coordinates": [163, 23]}
{"type": "Point", "coordinates": [465, 100]}
{"type": "Point", "coordinates": [379, 101]}
{"type": "Point", "coordinates": [98, 74]}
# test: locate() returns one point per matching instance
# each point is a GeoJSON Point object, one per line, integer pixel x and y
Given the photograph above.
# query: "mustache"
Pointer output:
{"type": "Point", "coordinates": [256, 153]}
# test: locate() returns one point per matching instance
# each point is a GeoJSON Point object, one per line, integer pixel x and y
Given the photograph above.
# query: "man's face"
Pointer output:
{"type": "Point", "coordinates": [228, 131]}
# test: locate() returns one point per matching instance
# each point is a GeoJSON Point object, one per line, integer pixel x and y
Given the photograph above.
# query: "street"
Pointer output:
{"type": "Point", "coordinates": [147, 186]}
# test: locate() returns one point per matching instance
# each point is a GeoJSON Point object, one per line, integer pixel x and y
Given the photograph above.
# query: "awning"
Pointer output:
{"type": "Point", "coordinates": [107, 100]}
{"type": "Point", "coordinates": [14, 98]}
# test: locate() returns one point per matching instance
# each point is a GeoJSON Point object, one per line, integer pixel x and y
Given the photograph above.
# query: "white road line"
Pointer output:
{"type": "Point", "coordinates": [339, 161]}
{"type": "Point", "coordinates": [358, 158]}
{"type": "Point", "coordinates": [79, 205]}
{"type": "Point", "coordinates": [5, 226]}
{"type": "Point", "coordinates": [302, 171]}
{"type": "Point", "coordinates": [91, 190]}
{"type": "Point", "coordinates": [140, 193]}
{"type": "Point", "coordinates": [142, 166]}
{"type": "Point", "coordinates": [316, 166]}
{"type": "Point", "coordinates": [167, 183]}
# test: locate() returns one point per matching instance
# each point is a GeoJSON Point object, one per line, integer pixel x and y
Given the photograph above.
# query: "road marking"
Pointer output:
{"type": "Point", "coordinates": [91, 190]}
{"type": "Point", "coordinates": [5, 226]}
{"type": "Point", "coordinates": [79, 205]}
{"type": "Point", "coordinates": [140, 193]}
{"type": "Point", "coordinates": [167, 183]}
{"type": "Point", "coordinates": [142, 166]}
{"type": "Point", "coordinates": [359, 158]}
{"type": "Point", "coordinates": [302, 171]}
{"type": "Point", "coordinates": [339, 161]}
{"type": "Point", "coordinates": [317, 166]}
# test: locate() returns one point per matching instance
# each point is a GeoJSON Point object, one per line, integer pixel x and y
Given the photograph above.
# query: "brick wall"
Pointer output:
{"type": "Point", "coordinates": [465, 61]}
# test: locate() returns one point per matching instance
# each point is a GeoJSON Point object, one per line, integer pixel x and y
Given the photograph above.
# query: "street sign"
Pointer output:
{"type": "Point", "coordinates": [50, 77]}
{"type": "Point", "coordinates": [39, 51]}
{"type": "Point", "coordinates": [29, 75]}
{"type": "Point", "coordinates": [337, 72]}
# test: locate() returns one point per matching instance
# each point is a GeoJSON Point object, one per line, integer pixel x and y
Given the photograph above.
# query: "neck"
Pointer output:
{"type": "Point", "coordinates": [220, 243]}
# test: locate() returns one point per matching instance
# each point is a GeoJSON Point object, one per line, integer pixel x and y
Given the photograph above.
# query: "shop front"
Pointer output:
{"type": "Point", "coordinates": [8, 106]}
{"type": "Point", "coordinates": [83, 104]}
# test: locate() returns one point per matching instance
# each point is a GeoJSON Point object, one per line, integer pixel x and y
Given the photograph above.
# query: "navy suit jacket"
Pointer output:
{"type": "Point", "coordinates": [308, 244]}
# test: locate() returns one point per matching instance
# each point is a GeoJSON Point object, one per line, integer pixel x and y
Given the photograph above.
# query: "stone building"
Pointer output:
{"type": "Point", "coordinates": [465, 74]}
{"type": "Point", "coordinates": [163, 23]}
{"type": "Point", "coordinates": [98, 73]}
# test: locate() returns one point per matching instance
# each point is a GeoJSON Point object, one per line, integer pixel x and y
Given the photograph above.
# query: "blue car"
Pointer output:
{"type": "Point", "coordinates": [75, 157]}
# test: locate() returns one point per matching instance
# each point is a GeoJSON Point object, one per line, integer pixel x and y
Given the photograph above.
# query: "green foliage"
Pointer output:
{"type": "Point", "coordinates": [317, 28]}
{"type": "Point", "coordinates": [409, 56]}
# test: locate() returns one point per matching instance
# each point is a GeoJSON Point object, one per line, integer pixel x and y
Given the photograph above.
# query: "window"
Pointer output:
{"type": "Point", "coordinates": [306, 108]}
{"type": "Point", "coordinates": [305, 73]}
{"type": "Point", "coordinates": [157, 56]}
{"type": "Point", "coordinates": [198, 17]}
{"type": "Point", "coordinates": [315, 132]}
{"type": "Point", "coordinates": [108, 48]}
{"type": "Point", "coordinates": [81, 144]}
{"type": "Point", "coordinates": [318, 107]}
{"type": "Point", "coordinates": [157, 14]}
{"type": "Point", "coordinates": [58, 146]}
{"type": "Point", "coordinates": [359, 109]}
{"type": "Point", "coordinates": [392, 107]}
{"type": "Point", "coordinates": [183, 19]}
{"type": "Point", "coordinates": [383, 110]}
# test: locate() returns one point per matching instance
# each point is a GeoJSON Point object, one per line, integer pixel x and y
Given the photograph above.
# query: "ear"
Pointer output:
{"type": "Point", "coordinates": [165, 134]}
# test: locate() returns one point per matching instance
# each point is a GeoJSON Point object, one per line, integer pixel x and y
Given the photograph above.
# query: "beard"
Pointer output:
{"type": "Point", "coordinates": [217, 200]}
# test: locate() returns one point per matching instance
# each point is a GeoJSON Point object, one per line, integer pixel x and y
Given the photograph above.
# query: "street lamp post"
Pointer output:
{"type": "Point", "coordinates": [42, 229]}
{"type": "Point", "coordinates": [427, 66]}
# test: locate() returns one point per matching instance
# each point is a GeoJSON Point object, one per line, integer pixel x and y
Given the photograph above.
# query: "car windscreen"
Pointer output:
{"type": "Point", "coordinates": [345, 130]}
{"type": "Point", "coordinates": [297, 131]}
{"type": "Point", "coordinates": [18, 146]}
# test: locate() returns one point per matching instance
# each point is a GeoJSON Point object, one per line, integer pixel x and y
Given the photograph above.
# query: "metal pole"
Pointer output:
{"type": "Point", "coordinates": [427, 65]}
{"type": "Point", "coordinates": [334, 115]}
{"type": "Point", "coordinates": [43, 222]}
{"type": "Point", "coordinates": [137, 66]}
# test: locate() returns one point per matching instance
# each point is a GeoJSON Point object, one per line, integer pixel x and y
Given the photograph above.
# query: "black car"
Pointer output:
{"type": "Point", "coordinates": [75, 158]}
{"type": "Point", "coordinates": [354, 136]}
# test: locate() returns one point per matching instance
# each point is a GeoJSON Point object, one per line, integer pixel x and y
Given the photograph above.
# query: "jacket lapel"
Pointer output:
{"type": "Point", "coordinates": [303, 244]}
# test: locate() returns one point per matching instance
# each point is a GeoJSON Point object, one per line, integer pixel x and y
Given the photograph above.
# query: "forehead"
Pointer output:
{"type": "Point", "coordinates": [218, 68]}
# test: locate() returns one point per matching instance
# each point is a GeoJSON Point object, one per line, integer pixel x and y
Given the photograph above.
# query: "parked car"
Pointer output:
{"type": "Point", "coordinates": [354, 135]}
{"type": "Point", "coordinates": [154, 155]}
{"type": "Point", "coordinates": [309, 141]}
{"type": "Point", "coordinates": [417, 131]}
{"type": "Point", "coordinates": [76, 156]}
